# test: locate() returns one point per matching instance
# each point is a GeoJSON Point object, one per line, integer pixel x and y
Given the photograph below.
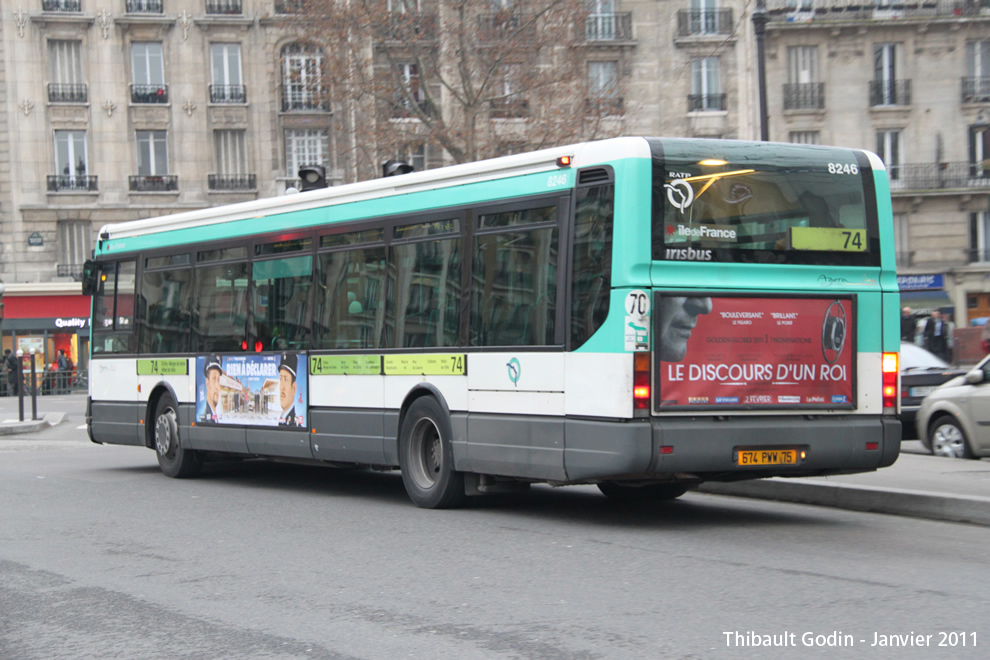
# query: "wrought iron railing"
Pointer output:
{"type": "Point", "coordinates": [404, 109]}
{"type": "Point", "coordinates": [288, 6]}
{"type": "Point", "coordinates": [506, 24]}
{"type": "Point", "coordinates": [60, 5]}
{"type": "Point", "coordinates": [228, 94]}
{"type": "Point", "coordinates": [74, 271]}
{"type": "Point", "coordinates": [71, 183]}
{"type": "Point", "coordinates": [604, 106]}
{"type": "Point", "coordinates": [608, 27]}
{"type": "Point", "coordinates": [225, 7]}
{"type": "Point", "coordinates": [804, 96]}
{"type": "Point", "coordinates": [406, 26]}
{"type": "Point", "coordinates": [509, 108]}
{"type": "Point", "coordinates": [149, 94]}
{"type": "Point", "coordinates": [304, 100]}
{"type": "Point", "coordinates": [976, 90]}
{"type": "Point", "coordinates": [939, 176]}
{"type": "Point", "coordinates": [232, 181]}
{"type": "Point", "coordinates": [703, 102]}
{"type": "Point", "coordinates": [144, 7]}
{"type": "Point", "coordinates": [701, 22]}
{"type": "Point", "coordinates": [890, 92]}
{"type": "Point", "coordinates": [67, 92]}
{"type": "Point", "coordinates": [820, 11]}
{"type": "Point", "coordinates": [153, 183]}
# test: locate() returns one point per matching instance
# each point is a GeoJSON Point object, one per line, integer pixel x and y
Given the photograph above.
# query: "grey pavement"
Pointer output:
{"type": "Point", "coordinates": [918, 485]}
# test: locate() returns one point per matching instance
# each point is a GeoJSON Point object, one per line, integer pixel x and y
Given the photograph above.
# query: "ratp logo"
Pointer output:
{"type": "Point", "coordinates": [515, 371]}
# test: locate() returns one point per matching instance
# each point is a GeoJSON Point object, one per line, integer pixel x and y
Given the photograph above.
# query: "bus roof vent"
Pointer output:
{"type": "Point", "coordinates": [594, 175]}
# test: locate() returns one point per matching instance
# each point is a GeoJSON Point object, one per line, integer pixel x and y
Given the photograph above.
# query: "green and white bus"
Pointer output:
{"type": "Point", "coordinates": [644, 314]}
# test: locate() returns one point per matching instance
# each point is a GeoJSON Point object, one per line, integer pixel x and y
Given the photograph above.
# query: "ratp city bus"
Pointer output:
{"type": "Point", "coordinates": [644, 314]}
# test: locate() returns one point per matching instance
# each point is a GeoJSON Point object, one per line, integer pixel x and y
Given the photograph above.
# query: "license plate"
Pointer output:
{"type": "Point", "coordinates": [921, 390]}
{"type": "Point", "coordinates": [767, 457]}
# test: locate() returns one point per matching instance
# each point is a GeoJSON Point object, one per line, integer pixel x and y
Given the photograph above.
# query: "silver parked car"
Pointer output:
{"type": "Point", "coordinates": [954, 420]}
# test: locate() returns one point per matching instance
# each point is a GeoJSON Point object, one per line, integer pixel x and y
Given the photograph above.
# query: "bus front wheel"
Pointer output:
{"type": "Point", "coordinates": [426, 457]}
{"type": "Point", "coordinates": [641, 494]}
{"type": "Point", "coordinates": [174, 459]}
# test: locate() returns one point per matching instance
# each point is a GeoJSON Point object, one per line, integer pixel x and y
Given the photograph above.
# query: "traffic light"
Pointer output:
{"type": "Point", "coordinates": [396, 167]}
{"type": "Point", "coordinates": [312, 177]}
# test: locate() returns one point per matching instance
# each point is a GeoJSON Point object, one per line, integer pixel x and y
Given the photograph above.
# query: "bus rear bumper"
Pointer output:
{"type": "Point", "coordinates": [706, 448]}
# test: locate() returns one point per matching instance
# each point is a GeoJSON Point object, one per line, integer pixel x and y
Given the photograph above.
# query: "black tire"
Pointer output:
{"type": "Point", "coordinates": [426, 457]}
{"type": "Point", "coordinates": [947, 438]}
{"type": "Point", "coordinates": [174, 459]}
{"type": "Point", "coordinates": [641, 494]}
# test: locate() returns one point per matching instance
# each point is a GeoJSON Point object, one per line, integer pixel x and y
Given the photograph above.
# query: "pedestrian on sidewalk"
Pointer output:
{"type": "Point", "coordinates": [10, 363]}
{"type": "Point", "coordinates": [64, 371]}
{"type": "Point", "coordinates": [937, 332]}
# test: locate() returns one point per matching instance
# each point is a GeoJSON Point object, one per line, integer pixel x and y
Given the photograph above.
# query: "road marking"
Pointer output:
{"type": "Point", "coordinates": [81, 427]}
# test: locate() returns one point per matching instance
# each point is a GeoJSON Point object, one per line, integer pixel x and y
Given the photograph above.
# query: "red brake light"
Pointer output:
{"type": "Point", "coordinates": [641, 381]}
{"type": "Point", "coordinates": [891, 372]}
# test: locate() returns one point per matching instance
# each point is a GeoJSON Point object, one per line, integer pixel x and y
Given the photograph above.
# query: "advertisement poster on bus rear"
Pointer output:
{"type": "Point", "coordinates": [252, 390]}
{"type": "Point", "coordinates": [749, 352]}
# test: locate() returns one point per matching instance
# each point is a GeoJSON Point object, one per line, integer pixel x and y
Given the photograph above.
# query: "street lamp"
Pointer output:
{"type": "Point", "coordinates": [760, 28]}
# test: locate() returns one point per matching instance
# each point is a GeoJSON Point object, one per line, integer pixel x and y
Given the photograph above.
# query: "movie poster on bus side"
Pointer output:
{"type": "Point", "coordinates": [749, 352]}
{"type": "Point", "coordinates": [252, 390]}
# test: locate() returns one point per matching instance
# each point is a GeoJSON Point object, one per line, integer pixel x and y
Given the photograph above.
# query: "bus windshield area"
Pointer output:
{"type": "Point", "coordinates": [765, 204]}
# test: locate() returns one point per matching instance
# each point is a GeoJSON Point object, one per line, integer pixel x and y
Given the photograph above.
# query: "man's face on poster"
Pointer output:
{"type": "Point", "coordinates": [678, 316]}
{"type": "Point", "coordinates": [213, 387]}
{"type": "Point", "coordinates": [286, 389]}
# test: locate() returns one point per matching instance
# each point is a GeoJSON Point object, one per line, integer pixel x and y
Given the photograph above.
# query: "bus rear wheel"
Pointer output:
{"type": "Point", "coordinates": [641, 494]}
{"type": "Point", "coordinates": [174, 459]}
{"type": "Point", "coordinates": [426, 457]}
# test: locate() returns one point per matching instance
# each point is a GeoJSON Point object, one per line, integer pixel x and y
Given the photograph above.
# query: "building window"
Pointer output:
{"type": "Point", "coordinates": [886, 89]}
{"type": "Point", "coordinates": [901, 245]}
{"type": "Point", "coordinates": [600, 25]}
{"type": "Point", "coordinates": [979, 151]}
{"type": "Point", "coordinates": [231, 152]}
{"type": "Point", "coordinates": [979, 237]}
{"type": "Point", "coordinates": [508, 103]}
{"type": "Point", "coordinates": [976, 86]}
{"type": "Point", "coordinates": [152, 153]}
{"type": "Point", "coordinates": [803, 91]}
{"type": "Point", "coordinates": [225, 65]}
{"type": "Point", "coordinates": [805, 137]}
{"type": "Point", "coordinates": [889, 150]}
{"type": "Point", "coordinates": [65, 72]}
{"type": "Point", "coordinates": [305, 147]}
{"type": "Point", "coordinates": [704, 17]}
{"type": "Point", "coordinates": [415, 155]}
{"type": "Point", "coordinates": [603, 88]}
{"type": "Point", "coordinates": [706, 86]}
{"type": "Point", "coordinates": [410, 91]}
{"type": "Point", "coordinates": [148, 73]}
{"type": "Point", "coordinates": [75, 245]}
{"type": "Point", "coordinates": [302, 75]}
{"type": "Point", "coordinates": [70, 153]}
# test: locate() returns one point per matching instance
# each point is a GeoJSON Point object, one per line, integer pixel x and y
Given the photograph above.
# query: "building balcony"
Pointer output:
{"type": "Point", "coordinates": [67, 93]}
{"type": "Point", "coordinates": [831, 11]}
{"type": "Point", "coordinates": [224, 7]}
{"type": "Point", "coordinates": [61, 5]}
{"type": "Point", "coordinates": [919, 177]}
{"type": "Point", "coordinates": [509, 109]}
{"type": "Point", "coordinates": [506, 24]}
{"type": "Point", "coordinates": [153, 183]}
{"type": "Point", "coordinates": [403, 109]}
{"type": "Point", "coordinates": [75, 271]}
{"type": "Point", "coordinates": [155, 94]}
{"type": "Point", "coordinates": [976, 90]}
{"type": "Point", "coordinates": [704, 22]}
{"type": "Point", "coordinates": [228, 94]}
{"type": "Point", "coordinates": [412, 26]}
{"type": "Point", "coordinates": [232, 182]}
{"type": "Point", "coordinates": [144, 7]}
{"type": "Point", "coordinates": [608, 27]}
{"type": "Point", "coordinates": [804, 96]}
{"type": "Point", "coordinates": [72, 183]}
{"type": "Point", "coordinates": [604, 106]}
{"type": "Point", "coordinates": [304, 100]}
{"type": "Point", "coordinates": [706, 102]}
{"type": "Point", "coordinates": [890, 92]}
{"type": "Point", "coordinates": [289, 6]}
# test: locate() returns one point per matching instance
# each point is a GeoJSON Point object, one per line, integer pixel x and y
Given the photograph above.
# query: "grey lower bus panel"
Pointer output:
{"type": "Point", "coordinates": [512, 446]}
{"type": "Point", "coordinates": [348, 436]}
{"type": "Point", "coordinates": [116, 422]}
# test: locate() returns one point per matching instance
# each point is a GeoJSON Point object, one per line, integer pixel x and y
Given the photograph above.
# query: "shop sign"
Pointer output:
{"type": "Point", "coordinates": [71, 323]}
{"type": "Point", "coordinates": [921, 282]}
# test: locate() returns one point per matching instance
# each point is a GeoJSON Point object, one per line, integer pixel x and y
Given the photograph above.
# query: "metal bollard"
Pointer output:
{"type": "Point", "coordinates": [34, 389]}
{"type": "Point", "coordinates": [20, 382]}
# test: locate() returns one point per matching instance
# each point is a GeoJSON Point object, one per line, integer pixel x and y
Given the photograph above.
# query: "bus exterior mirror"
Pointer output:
{"type": "Point", "coordinates": [91, 278]}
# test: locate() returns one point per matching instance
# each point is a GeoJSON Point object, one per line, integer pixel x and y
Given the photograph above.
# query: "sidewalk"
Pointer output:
{"type": "Point", "coordinates": [50, 412]}
{"type": "Point", "coordinates": [918, 485]}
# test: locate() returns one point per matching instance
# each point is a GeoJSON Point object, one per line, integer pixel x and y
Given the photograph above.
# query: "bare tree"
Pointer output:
{"type": "Point", "coordinates": [468, 79]}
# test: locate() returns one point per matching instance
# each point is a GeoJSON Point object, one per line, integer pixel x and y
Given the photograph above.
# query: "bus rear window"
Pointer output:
{"type": "Point", "coordinates": [716, 200]}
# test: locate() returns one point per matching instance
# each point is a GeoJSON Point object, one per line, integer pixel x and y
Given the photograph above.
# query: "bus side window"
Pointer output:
{"type": "Point", "coordinates": [113, 310]}
{"type": "Point", "coordinates": [591, 278]}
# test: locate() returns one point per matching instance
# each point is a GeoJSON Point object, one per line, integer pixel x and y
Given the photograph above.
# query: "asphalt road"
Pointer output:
{"type": "Point", "coordinates": [103, 557]}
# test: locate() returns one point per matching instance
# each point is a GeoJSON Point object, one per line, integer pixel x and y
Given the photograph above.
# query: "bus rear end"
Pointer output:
{"type": "Point", "coordinates": [773, 306]}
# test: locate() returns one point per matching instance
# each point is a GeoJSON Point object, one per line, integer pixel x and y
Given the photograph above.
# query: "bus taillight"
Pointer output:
{"type": "Point", "coordinates": [641, 381]}
{"type": "Point", "coordinates": [890, 373]}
